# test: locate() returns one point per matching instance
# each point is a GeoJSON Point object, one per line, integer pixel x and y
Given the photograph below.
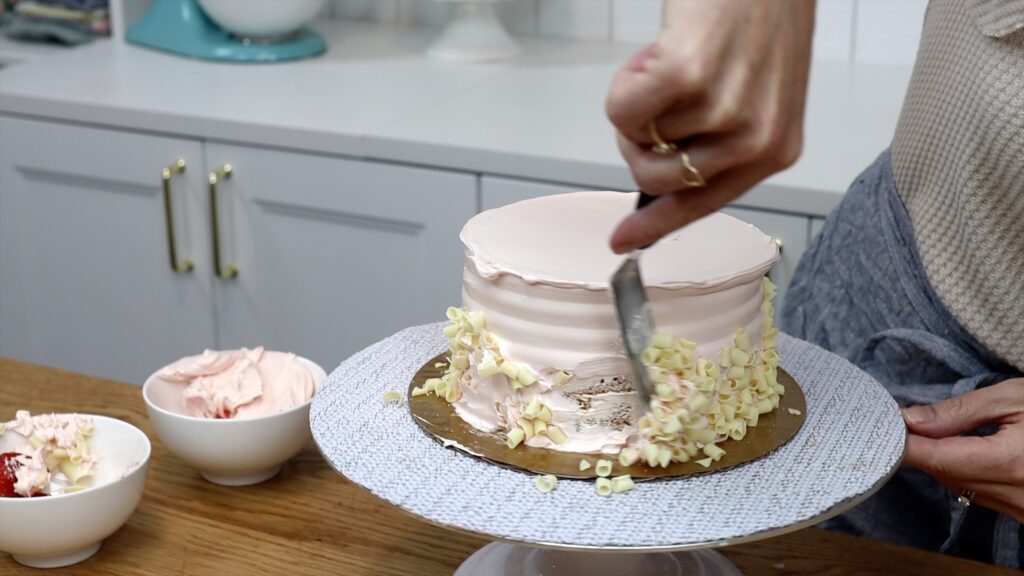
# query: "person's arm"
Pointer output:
{"type": "Point", "coordinates": [726, 83]}
{"type": "Point", "coordinates": [990, 466]}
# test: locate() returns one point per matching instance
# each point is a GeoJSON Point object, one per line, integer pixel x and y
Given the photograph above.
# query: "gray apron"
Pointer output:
{"type": "Point", "coordinates": [861, 292]}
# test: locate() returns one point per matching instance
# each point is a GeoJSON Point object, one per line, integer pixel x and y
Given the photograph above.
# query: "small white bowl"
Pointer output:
{"type": "Point", "coordinates": [54, 531]}
{"type": "Point", "coordinates": [230, 452]}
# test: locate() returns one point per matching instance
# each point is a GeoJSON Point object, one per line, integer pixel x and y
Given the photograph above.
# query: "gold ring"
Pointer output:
{"type": "Point", "coordinates": [659, 146]}
{"type": "Point", "coordinates": [966, 498]}
{"type": "Point", "coordinates": [690, 176]}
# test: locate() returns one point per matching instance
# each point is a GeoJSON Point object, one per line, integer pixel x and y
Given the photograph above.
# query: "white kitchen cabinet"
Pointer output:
{"type": "Point", "coordinates": [816, 225]}
{"type": "Point", "coordinates": [496, 191]}
{"type": "Point", "coordinates": [86, 282]}
{"type": "Point", "coordinates": [790, 231]}
{"type": "Point", "coordinates": [334, 254]}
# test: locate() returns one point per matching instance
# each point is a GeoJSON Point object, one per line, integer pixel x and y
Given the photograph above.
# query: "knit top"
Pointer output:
{"type": "Point", "coordinates": [958, 162]}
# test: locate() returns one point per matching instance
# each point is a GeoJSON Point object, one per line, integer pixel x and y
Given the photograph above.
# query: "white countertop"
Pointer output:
{"type": "Point", "coordinates": [374, 95]}
{"type": "Point", "coordinates": [16, 51]}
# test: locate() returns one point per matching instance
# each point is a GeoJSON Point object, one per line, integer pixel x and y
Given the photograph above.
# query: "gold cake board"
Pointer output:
{"type": "Point", "coordinates": [438, 419]}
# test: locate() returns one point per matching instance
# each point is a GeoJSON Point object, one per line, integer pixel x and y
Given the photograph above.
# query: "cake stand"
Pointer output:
{"type": "Point", "coordinates": [850, 444]}
{"type": "Point", "coordinates": [474, 35]}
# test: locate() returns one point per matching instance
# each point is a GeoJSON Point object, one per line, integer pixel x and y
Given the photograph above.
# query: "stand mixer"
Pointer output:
{"type": "Point", "coordinates": [231, 30]}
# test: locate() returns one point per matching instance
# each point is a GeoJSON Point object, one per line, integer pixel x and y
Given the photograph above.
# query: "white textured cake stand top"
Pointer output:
{"type": "Point", "coordinates": [851, 442]}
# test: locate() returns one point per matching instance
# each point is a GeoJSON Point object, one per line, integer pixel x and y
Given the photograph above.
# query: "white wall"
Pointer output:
{"type": "Point", "coordinates": [867, 31]}
{"type": "Point", "coordinates": [863, 31]}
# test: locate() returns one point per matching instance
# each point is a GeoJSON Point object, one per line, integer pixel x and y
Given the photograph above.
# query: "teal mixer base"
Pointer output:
{"type": "Point", "coordinates": [181, 27]}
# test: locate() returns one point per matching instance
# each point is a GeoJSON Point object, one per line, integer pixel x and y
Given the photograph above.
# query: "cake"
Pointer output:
{"type": "Point", "coordinates": [536, 355]}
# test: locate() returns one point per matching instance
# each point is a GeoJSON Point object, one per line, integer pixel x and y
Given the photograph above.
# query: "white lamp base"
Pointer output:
{"type": "Point", "coordinates": [474, 34]}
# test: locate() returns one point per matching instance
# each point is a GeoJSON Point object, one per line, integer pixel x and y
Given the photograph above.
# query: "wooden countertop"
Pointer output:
{"type": "Point", "coordinates": [310, 520]}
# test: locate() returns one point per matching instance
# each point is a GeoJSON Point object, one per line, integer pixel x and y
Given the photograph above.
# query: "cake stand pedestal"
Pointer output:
{"type": "Point", "coordinates": [851, 443]}
{"type": "Point", "coordinates": [501, 559]}
{"type": "Point", "coordinates": [474, 35]}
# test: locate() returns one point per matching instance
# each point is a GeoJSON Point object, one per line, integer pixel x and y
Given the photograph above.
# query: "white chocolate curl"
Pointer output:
{"type": "Point", "coordinates": [622, 484]}
{"type": "Point", "coordinates": [700, 402]}
{"type": "Point", "coordinates": [392, 397]}
{"type": "Point", "coordinates": [700, 399]}
{"type": "Point", "coordinates": [546, 483]}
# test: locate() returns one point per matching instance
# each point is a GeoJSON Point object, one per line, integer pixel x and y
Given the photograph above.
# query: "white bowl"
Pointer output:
{"type": "Point", "coordinates": [230, 452]}
{"type": "Point", "coordinates": [262, 18]}
{"type": "Point", "coordinates": [53, 531]}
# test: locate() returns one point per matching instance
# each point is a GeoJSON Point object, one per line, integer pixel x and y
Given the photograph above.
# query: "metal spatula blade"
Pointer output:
{"type": "Point", "coordinates": [635, 321]}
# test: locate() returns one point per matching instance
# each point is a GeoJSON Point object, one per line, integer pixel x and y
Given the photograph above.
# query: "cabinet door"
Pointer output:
{"type": "Point", "coordinates": [496, 191]}
{"type": "Point", "coordinates": [334, 254]}
{"type": "Point", "coordinates": [791, 231]}
{"type": "Point", "coordinates": [85, 277]}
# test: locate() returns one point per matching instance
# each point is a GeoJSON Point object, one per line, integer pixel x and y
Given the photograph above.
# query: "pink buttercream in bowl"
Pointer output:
{"type": "Point", "coordinates": [236, 415]}
{"type": "Point", "coordinates": [246, 383]}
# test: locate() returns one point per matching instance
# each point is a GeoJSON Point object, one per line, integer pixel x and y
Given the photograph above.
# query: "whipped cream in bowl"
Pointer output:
{"type": "Point", "coordinates": [236, 415]}
{"type": "Point", "coordinates": [67, 481]}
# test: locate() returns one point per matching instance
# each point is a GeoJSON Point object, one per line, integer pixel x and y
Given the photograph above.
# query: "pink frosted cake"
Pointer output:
{"type": "Point", "coordinates": [536, 354]}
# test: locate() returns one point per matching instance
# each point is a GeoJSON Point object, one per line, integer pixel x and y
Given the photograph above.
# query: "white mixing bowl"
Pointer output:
{"type": "Point", "coordinates": [262, 18]}
{"type": "Point", "coordinates": [53, 531]}
{"type": "Point", "coordinates": [230, 452]}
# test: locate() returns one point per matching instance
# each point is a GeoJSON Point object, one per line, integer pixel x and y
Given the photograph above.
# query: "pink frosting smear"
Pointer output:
{"type": "Point", "coordinates": [246, 383]}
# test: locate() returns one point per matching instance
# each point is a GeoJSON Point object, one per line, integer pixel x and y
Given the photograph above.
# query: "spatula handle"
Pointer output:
{"type": "Point", "coordinates": [643, 200]}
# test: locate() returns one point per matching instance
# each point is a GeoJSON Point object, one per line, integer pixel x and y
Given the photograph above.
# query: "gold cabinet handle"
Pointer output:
{"type": "Point", "coordinates": [224, 172]}
{"type": "Point", "coordinates": [169, 171]}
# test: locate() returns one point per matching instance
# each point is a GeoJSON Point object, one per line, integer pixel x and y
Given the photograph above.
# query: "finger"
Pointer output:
{"type": "Point", "coordinates": [700, 117]}
{"type": "Point", "coordinates": [677, 209]}
{"type": "Point", "coordinates": [638, 61]}
{"type": "Point", "coordinates": [1000, 497]}
{"type": "Point", "coordinates": [968, 411]}
{"type": "Point", "coordinates": [641, 91]}
{"type": "Point", "coordinates": [674, 123]}
{"type": "Point", "coordinates": [962, 458]}
{"type": "Point", "coordinates": [659, 174]}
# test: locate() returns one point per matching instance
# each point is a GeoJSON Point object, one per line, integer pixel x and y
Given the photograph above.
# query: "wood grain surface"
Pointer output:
{"type": "Point", "coordinates": [310, 520]}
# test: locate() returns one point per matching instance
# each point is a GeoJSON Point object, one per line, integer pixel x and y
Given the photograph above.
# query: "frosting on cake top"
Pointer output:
{"type": "Point", "coordinates": [562, 240]}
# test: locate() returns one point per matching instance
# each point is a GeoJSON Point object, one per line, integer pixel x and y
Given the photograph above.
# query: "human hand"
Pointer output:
{"type": "Point", "coordinates": [726, 81]}
{"type": "Point", "coordinates": [991, 466]}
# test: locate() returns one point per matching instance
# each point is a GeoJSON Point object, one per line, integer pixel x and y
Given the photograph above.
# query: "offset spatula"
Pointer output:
{"type": "Point", "coordinates": [634, 313]}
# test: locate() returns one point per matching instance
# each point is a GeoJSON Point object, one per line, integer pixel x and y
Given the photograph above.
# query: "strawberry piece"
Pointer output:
{"type": "Point", "coordinates": [8, 467]}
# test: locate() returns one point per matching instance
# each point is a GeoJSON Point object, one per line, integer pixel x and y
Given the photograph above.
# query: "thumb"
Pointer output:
{"type": "Point", "coordinates": [960, 414]}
